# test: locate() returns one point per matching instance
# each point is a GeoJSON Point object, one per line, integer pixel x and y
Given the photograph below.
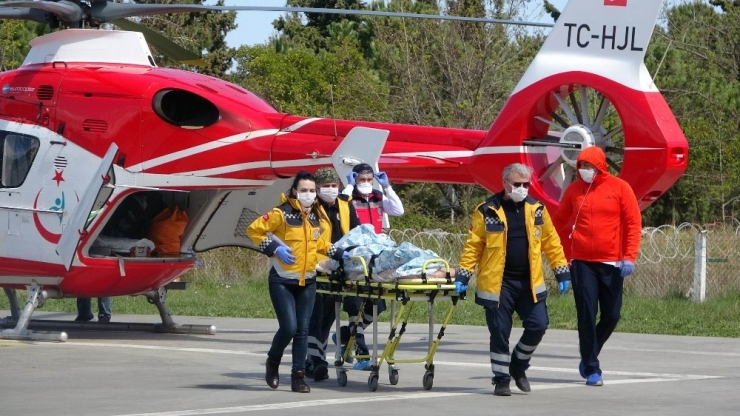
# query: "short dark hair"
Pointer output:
{"type": "Point", "coordinates": [362, 168]}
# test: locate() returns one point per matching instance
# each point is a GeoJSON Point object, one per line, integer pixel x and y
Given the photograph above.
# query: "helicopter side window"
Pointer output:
{"type": "Point", "coordinates": [185, 109]}
{"type": "Point", "coordinates": [18, 153]}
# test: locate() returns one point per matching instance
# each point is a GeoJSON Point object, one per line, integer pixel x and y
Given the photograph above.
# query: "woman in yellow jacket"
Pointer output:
{"type": "Point", "coordinates": [292, 234]}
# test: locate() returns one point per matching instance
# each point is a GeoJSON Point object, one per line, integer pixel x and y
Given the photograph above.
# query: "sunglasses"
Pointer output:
{"type": "Point", "coordinates": [518, 184]}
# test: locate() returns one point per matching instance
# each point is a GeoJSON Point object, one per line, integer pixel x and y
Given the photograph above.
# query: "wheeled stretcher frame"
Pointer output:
{"type": "Point", "coordinates": [405, 291]}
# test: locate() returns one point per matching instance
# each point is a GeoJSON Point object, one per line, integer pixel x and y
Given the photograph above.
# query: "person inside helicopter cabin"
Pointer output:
{"type": "Point", "coordinates": [293, 234]}
{"type": "Point", "coordinates": [343, 218]}
{"type": "Point", "coordinates": [370, 205]}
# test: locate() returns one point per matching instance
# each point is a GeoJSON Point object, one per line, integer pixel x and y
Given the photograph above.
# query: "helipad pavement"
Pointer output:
{"type": "Point", "coordinates": [134, 373]}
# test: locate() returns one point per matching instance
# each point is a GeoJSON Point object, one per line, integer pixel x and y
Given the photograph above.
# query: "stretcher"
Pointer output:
{"type": "Point", "coordinates": [404, 292]}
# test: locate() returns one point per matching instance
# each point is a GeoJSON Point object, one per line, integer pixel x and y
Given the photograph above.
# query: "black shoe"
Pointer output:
{"type": "Point", "coordinates": [309, 368]}
{"type": "Point", "coordinates": [321, 372]}
{"type": "Point", "coordinates": [84, 318]}
{"type": "Point", "coordinates": [271, 373]}
{"type": "Point", "coordinates": [501, 388]}
{"type": "Point", "coordinates": [297, 384]}
{"type": "Point", "coordinates": [104, 319]}
{"type": "Point", "coordinates": [521, 380]}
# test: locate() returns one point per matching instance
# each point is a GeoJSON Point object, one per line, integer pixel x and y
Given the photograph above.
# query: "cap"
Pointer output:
{"type": "Point", "coordinates": [363, 168]}
{"type": "Point", "coordinates": [326, 175]}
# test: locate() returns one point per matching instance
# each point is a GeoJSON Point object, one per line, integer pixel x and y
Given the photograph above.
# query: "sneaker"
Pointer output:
{"type": "Point", "coordinates": [582, 369]}
{"type": "Point", "coordinates": [104, 319]}
{"type": "Point", "coordinates": [595, 380]}
{"type": "Point", "coordinates": [343, 350]}
{"type": "Point", "coordinates": [521, 380]}
{"type": "Point", "coordinates": [501, 388]}
{"type": "Point", "coordinates": [321, 372]}
{"type": "Point", "coordinates": [363, 365]}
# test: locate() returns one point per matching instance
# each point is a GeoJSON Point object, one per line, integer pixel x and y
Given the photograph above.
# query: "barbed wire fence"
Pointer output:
{"type": "Point", "coordinates": [666, 266]}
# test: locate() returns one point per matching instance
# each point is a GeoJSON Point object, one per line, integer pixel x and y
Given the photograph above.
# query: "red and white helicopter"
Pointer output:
{"type": "Point", "coordinates": [89, 121]}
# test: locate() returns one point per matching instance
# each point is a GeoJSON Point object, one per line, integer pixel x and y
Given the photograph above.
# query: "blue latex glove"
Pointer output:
{"type": "Point", "coordinates": [345, 255]}
{"type": "Point", "coordinates": [627, 268]}
{"type": "Point", "coordinates": [382, 179]}
{"type": "Point", "coordinates": [351, 178]}
{"type": "Point", "coordinates": [284, 255]}
{"type": "Point", "coordinates": [563, 286]}
{"type": "Point", "coordinates": [460, 287]}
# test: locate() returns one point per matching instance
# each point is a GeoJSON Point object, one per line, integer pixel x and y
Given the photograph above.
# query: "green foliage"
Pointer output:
{"type": "Point", "coordinates": [203, 33]}
{"type": "Point", "coordinates": [14, 38]}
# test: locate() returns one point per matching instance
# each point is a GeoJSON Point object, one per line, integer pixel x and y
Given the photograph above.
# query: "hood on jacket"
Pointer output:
{"type": "Point", "coordinates": [595, 156]}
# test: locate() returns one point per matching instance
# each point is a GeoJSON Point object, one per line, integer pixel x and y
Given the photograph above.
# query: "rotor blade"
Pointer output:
{"type": "Point", "coordinates": [613, 164]}
{"type": "Point", "coordinates": [576, 107]}
{"type": "Point", "coordinates": [164, 45]}
{"type": "Point", "coordinates": [584, 104]}
{"type": "Point", "coordinates": [550, 123]}
{"type": "Point", "coordinates": [616, 150]}
{"type": "Point", "coordinates": [603, 106]}
{"type": "Point", "coordinates": [65, 10]}
{"type": "Point", "coordinates": [25, 13]}
{"type": "Point", "coordinates": [105, 11]}
{"type": "Point", "coordinates": [566, 108]}
{"type": "Point", "coordinates": [550, 169]}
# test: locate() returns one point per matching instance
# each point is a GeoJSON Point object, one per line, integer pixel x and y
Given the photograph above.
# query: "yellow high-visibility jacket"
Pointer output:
{"type": "Point", "coordinates": [305, 234]}
{"type": "Point", "coordinates": [486, 247]}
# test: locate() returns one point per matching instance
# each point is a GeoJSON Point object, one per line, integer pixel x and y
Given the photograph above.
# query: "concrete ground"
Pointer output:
{"type": "Point", "coordinates": [135, 373]}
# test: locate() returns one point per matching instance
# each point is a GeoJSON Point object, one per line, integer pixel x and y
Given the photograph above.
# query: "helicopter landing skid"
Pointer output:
{"type": "Point", "coordinates": [36, 298]}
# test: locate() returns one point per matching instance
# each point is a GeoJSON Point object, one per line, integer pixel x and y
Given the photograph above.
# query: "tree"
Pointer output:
{"type": "Point", "coordinates": [202, 33]}
{"type": "Point", "coordinates": [14, 38]}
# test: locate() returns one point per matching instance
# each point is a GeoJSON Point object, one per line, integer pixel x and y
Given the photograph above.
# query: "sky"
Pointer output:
{"type": "Point", "coordinates": [256, 27]}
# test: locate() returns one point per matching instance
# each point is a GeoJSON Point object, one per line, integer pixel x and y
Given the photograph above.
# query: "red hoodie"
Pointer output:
{"type": "Point", "coordinates": [607, 219]}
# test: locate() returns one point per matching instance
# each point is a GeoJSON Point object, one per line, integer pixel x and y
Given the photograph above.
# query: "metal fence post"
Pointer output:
{"type": "Point", "coordinates": [699, 288]}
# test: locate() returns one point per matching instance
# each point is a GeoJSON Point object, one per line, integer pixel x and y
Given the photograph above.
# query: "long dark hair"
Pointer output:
{"type": "Point", "coordinates": [292, 192]}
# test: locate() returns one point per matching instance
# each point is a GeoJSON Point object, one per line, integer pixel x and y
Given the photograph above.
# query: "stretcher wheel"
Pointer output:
{"type": "Point", "coordinates": [372, 382]}
{"type": "Point", "coordinates": [428, 380]}
{"type": "Point", "coordinates": [393, 376]}
{"type": "Point", "coordinates": [341, 378]}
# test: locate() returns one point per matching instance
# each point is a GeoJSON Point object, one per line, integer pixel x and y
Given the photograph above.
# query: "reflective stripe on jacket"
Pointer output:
{"type": "Point", "coordinates": [305, 234]}
{"type": "Point", "coordinates": [486, 248]}
{"type": "Point", "coordinates": [370, 210]}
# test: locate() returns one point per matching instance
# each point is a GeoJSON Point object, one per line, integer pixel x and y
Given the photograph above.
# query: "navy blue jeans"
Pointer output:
{"type": "Point", "coordinates": [84, 307]}
{"type": "Point", "coordinates": [596, 286]}
{"type": "Point", "coordinates": [516, 296]}
{"type": "Point", "coordinates": [293, 305]}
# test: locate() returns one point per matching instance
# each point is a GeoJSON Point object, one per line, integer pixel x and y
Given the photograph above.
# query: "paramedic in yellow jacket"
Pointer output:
{"type": "Point", "coordinates": [292, 235]}
{"type": "Point", "coordinates": [508, 235]}
{"type": "Point", "coordinates": [342, 217]}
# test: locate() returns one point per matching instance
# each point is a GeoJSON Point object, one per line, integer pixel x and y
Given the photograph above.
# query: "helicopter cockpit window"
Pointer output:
{"type": "Point", "coordinates": [185, 109]}
{"type": "Point", "coordinates": [18, 153]}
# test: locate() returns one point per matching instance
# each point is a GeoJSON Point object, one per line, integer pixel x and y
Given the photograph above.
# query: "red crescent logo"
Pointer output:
{"type": "Point", "coordinates": [46, 234]}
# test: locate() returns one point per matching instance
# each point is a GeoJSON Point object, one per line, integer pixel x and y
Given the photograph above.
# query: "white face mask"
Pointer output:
{"type": "Point", "coordinates": [328, 194]}
{"type": "Point", "coordinates": [518, 194]}
{"type": "Point", "coordinates": [587, 175]}
{"type": "Point", "coordinates": [306, 198]}
{"type": "Point", "coordinates": [365, 188]}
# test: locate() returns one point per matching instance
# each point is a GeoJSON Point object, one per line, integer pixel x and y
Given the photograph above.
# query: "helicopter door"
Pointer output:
{"type": "Point", "coordinates": [228, 225]}
{"type": "Point", "coordinates": [96, 194]}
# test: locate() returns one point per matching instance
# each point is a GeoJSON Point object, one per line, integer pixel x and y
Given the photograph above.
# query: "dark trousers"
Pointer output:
{"type": "Point", "coordinates": [84, 307]}
{"type": "Point", "coordinates": [293, 305]}
{"type": "Point", "coordinates": [596, 286]}
{"type": "Point", "coordinates": [322, 319]}
{"type": "Point", "coordinates": [358, 322]}
{"type": "Point", "coordinates": [516, 296]}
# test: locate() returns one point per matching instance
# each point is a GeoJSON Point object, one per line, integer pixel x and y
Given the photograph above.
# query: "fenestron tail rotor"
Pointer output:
{"type": "Point", "coordinates": [580, 117]}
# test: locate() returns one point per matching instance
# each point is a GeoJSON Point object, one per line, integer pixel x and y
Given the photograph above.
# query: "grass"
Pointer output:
{"type": "Point", "coordinates": [674, 314]}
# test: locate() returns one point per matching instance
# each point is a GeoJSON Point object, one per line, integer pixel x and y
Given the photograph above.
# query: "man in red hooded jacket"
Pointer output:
{"type": "Point", "coordinates": [600, 216]}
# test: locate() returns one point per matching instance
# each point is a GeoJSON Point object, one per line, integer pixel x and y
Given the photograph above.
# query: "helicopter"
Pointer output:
{"type": "Point", "coordinates": [90, 125]}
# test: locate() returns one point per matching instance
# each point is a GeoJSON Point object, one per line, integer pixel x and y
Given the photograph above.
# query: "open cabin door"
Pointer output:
{"type": "Point", "coordinates": [228, 224]}
{"type": "Point", "coordinates": [98, 190]}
